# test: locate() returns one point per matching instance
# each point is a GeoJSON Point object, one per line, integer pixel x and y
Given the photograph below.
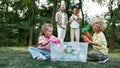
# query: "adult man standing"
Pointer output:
{"type": "Point", "coordinates": [62, 21]}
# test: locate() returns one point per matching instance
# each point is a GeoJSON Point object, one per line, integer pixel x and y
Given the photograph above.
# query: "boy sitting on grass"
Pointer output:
{"type": "Point", "coordinates": [98, 41]}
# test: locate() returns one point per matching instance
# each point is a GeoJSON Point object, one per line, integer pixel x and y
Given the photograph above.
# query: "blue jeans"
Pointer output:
{"type": "Point", "coordinates": [35, 52]}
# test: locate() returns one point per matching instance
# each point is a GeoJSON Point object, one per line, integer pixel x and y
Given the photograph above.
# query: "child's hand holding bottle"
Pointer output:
{"type": "Point", "coordinates": [54, 40]}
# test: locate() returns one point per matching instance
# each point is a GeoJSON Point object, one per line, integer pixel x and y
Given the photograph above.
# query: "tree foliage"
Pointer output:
{"type": "Point", "coordinates": [21, 20]}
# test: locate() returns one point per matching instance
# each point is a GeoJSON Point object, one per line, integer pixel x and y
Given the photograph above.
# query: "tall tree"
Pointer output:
{"type": "Point", "coordinates": [112, 32]}
{"type": "Point", "coordinates": [54, 11]}
{"type": "Point", "coordinates": [67, 7]}
{"type": "Point", "coordinates": [114, 17]}
{"type": "Point", "coordinates": [32, 23]}
{"type": "Point", "coordinates": [81, 9]}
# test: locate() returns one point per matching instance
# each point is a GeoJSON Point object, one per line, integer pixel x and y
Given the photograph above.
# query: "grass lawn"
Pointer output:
{"type": "Point", "coordinates": [18, 57]}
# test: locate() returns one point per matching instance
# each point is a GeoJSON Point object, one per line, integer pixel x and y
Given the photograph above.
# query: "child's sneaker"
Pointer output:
{"type": "Point", "coordinates": [104, 59]}
{"type": "Point", "coordinates": [41, 57]}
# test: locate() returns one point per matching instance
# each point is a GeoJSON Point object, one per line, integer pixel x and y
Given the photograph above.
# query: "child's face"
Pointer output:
{"type": "Point", "coordinates": [49, 32]}
{"type": "Point", "coordinates": [96, 29]}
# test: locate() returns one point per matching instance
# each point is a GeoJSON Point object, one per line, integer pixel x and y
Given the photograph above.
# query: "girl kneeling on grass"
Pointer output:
{"type": "Point", "coordinates": [98, 41]}
{"type": "Point", "coordinates": [42, 52]}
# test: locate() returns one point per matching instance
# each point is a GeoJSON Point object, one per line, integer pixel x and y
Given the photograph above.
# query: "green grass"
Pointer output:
{"type": "Point", "coordinates": [18, 57]}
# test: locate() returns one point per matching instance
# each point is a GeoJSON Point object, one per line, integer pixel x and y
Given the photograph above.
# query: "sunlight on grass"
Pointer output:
{"type": "Point", "coordinates": [22, 49]}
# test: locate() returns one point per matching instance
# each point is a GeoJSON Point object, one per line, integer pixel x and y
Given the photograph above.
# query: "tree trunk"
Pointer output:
{"type": "Point", "coordinates": [6, 9]}
{"type": "Point", "coordinates": [54, 11]}
{"type": "Point", "coordinates": [30, 38]}
{"type": "Point", "coordinates": [67, 7]}
{"type": "Point", "coordinates": [112, 33]}
{"type": "Point", "coordinates": [32, 24]}
{"type": "Point", "coordinates": [68, 13]}
{"type": "Point", "coordinates": [80, 7]}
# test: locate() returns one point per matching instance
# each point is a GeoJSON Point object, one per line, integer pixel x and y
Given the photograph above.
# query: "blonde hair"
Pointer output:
{"type": "Point", "coordinates": [45, 27]}
{"type": "Point", "coordinates": [98, 22]}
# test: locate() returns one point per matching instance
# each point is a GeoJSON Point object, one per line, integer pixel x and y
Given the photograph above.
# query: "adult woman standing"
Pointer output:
{"type": "Point", "coordinates": [74, 24]}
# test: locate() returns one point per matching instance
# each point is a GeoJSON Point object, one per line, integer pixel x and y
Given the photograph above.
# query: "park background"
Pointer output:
{"type": "Point", "coordinates": [21, 21]}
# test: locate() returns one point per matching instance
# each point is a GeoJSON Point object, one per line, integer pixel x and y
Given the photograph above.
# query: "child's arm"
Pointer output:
{"type": "Point", "coordinates": [54, 40]}
{"type": "Point", "coordinates": [86, 39]}
{"type": "Point", "coordinates": [88, 35]}
{"type": "Point", "coordinates": [100, 40]}
{"type": "Point", "coordinates": [94, 43]}
{"type": "Point", "coordinates": [43, 43]}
